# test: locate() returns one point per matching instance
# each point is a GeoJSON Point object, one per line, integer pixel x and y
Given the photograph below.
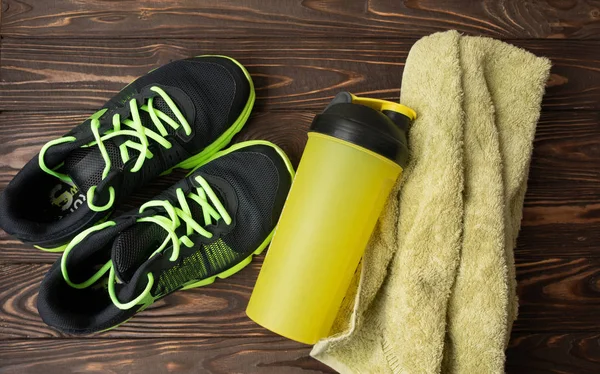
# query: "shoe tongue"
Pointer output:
{"type": "Point", "coordinates": [160, 104]}
{"type": "Point", "coordinates": [85, 165]}
{"type": "Point", "coordinates": [135, 245]}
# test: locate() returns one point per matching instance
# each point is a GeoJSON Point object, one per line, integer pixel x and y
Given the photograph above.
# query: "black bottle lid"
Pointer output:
{"type": "Point", "coordinates": [377, 125]}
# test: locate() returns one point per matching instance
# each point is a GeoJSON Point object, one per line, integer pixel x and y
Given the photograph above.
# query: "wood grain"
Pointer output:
{"type": "Point", "coordinates": [570, 240]}
{"type": "Point", "coordinates": [566, 159]}
{"type": "Point", "coordinates": [310, 18]}
{"type": "Point", "coordinates": [289, 74]}
{"type": "Point", "coordinates": [213, 311]}
{"type": "Point", "coordinates": [556, 294]}
{"type": "Point", "coordinates": [527, 353]}
{"type": "Point", "coordinates": [274, 355]}
{"type": "Point", "coordinates": [553, 353]}
{"type": "Point", "coordinates": [561, 215]}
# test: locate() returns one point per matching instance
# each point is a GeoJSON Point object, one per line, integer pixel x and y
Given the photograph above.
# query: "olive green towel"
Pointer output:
{"type": "Point", "coordinates": [437, 290]}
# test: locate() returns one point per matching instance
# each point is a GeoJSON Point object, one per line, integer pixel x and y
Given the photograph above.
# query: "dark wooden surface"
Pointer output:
{"type": "Point", "coordinates": [59, 60]}
{"type": "Point", "coordinates": [290, 74]}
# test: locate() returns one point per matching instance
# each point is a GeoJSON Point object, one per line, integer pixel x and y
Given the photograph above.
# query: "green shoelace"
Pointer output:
{"type": "Point", "coordinates": [136, 130]}
{"type": "Point", "coordinates": [174, 218]}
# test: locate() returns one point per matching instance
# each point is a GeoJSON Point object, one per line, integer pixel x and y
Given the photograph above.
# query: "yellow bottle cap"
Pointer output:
{"type": "Point", "coordinates": [381, 105]}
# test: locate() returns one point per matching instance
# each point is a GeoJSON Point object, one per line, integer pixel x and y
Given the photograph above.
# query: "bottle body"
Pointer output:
{"type": "Point", "coordinates": [334, 203]}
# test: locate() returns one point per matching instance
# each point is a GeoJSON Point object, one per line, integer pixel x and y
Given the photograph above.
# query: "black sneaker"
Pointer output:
{"type": "Point", "coordinates": [175, 116]}
{"type": "Point", "coordinates": [207, 226]}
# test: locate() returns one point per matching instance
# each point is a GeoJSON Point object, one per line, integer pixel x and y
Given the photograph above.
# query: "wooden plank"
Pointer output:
{"type": "Point", "coordinates": [289, 74]}
{"type": "Point", "coordinates": [553, 353]}
{"type": "Point", "coordinates": [527, 353]}
{"type": "Point", "coordinates": [213, 311]}
{"type": "Point", "coordinates": [22, 134]}
{"type": "Point", "coordinates": [561, 210]}
{"type": "Point", "coordinates": [273, 355]}
{"type": "Point", "coordinates": [568, 240]}
{"type": "Point", "coordinates": [83, 74]}
{"type": "Point", "coordinates": [564, 141]}
{"type": "Point", "coordinates": [240, 18]}
{"type": "Point", "coordinates": [556, 294]}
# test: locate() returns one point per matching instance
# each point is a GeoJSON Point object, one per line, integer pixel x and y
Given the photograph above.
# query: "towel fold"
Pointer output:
{"type": "Point", "coordinates": [437, 290]}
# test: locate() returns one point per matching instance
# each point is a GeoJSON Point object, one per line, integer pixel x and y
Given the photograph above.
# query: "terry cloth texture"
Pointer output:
{"type": "Point", "coordinates": [437, 289]}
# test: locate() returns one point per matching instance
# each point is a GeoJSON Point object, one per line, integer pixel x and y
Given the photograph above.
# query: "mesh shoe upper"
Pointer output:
{"type": "Point", "coordinates": [251, 182]}
{"type": "Point", "coordinates": [259, 183]}
{"type": "Point", "coordinates": [212, 93]}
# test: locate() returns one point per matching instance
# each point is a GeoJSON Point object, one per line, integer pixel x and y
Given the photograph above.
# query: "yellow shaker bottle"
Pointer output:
{"type": "Point", "coordinates": [355, 152]}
